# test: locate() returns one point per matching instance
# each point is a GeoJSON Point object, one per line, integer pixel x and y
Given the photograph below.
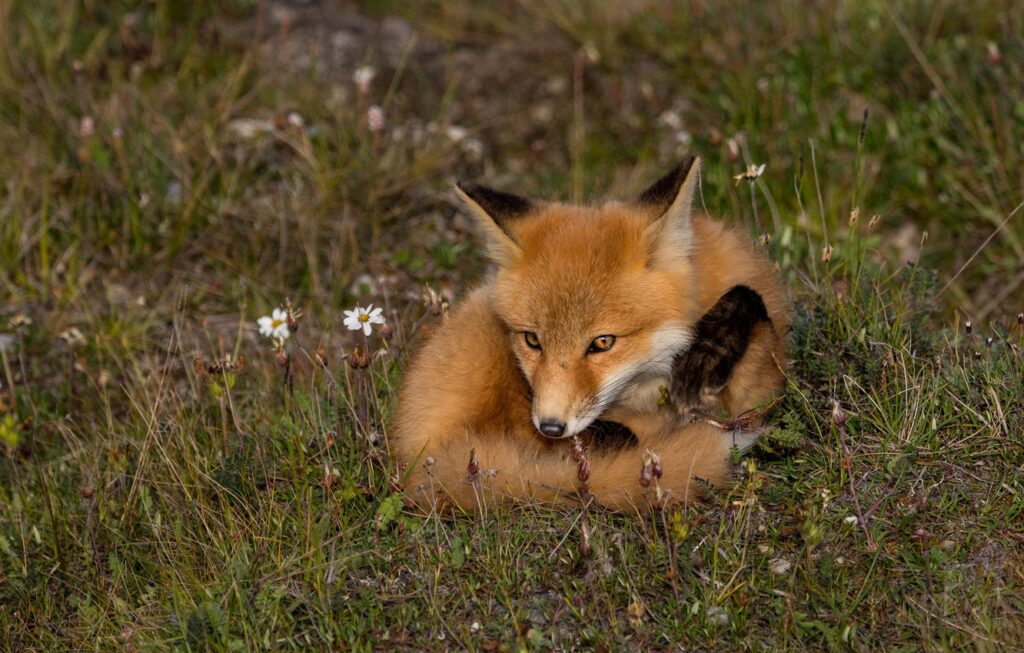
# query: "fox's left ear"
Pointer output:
{"type": "Point", "coordinates": [494, 212]}
{"type": "Point", "coordinates": [670, 201]}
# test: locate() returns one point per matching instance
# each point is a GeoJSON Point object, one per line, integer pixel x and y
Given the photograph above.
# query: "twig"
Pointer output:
{"type": "Point", "coordinates": [839, 419]}
{"type": "Point", "coordinates": [583, 474]}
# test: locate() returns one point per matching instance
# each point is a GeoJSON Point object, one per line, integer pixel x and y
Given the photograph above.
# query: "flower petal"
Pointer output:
{"type": "Point", "coordinates": [367, 329]}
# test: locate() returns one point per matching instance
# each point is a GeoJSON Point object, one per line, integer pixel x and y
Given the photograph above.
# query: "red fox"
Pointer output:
{"type": "Point", "coordinates": [591, 314]}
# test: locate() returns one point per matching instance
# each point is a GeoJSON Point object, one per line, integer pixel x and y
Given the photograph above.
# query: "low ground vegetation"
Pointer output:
{"type": "Point", "coordinates": [172, 478]}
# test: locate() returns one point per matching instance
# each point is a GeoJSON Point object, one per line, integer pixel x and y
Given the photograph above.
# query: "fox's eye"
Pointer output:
{"type": "Point", "coordinates": [601, 343]}
{"type": "Point", "coordinates": [532, 341]}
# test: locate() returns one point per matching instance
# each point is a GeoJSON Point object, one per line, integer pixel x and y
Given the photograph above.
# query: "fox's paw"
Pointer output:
{"type": "Point", "coordinates": [720, 341]}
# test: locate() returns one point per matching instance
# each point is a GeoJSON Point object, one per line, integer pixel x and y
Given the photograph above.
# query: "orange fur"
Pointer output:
{"type": "Point", "coordinates": [568, 274]}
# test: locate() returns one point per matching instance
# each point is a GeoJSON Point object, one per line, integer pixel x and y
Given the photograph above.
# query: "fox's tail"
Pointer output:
{"type": "Point", "coordinates": [503, 469]}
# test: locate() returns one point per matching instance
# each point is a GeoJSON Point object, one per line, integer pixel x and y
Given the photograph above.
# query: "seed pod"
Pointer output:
{"type": "Point", "coordinates": [656, 469]}
{"type": "Point", "coordinates": [577, 449]}
{"type": "Point", "coordinates": [646, 475]}
{"type": "Point", "coordinates": [584, 539]}
{"type": "Point", "coordinates": [358, 359]}
{"type": "Point", "coordinates": [293, 317]}
{"type": "Point", "coordinates": [651, 469]}
{"type": "Point", "coordinates": [838, 415]}
{"type": "Point", "coordinates": [583, 470]}
{"type": "Point", "coordinates": [863, 128]}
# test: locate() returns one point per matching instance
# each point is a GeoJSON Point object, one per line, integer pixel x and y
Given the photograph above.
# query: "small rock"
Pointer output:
{"type": "Point", "coordinates": [779, 566]}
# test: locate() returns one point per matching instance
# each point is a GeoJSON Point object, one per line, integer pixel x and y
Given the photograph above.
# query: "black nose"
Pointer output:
{"type": "Point", "coordinates": [552, 429]}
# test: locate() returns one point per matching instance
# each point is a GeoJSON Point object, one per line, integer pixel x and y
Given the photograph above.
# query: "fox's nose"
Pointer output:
{"type": "Point", "coordinates": [552, 428]}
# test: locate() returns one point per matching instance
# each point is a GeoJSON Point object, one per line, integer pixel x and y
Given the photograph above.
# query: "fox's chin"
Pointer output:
{"type": "Point", "coordinates": [576, 426]}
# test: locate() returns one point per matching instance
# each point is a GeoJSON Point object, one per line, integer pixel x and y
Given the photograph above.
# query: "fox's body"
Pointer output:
{"type": "Point", "coordinates": [585, 318]}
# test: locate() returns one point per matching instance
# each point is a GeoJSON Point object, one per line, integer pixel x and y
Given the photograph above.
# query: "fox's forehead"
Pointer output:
{"type": "Point", "coordinates": [584, 270]}
{"type": "Point", "coordinates": [593, 238]}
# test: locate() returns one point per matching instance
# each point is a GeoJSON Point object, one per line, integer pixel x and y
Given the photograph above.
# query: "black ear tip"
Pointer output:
{"type": "Point", "coordinates": [498, 205]}
{"type": "Point", "coordinates": [663, 192]}
{"type": "Point", "coordinates": [686, 164]}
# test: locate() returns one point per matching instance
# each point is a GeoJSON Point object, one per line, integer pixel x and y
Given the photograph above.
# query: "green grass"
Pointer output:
{"type": "Point", "coordinates": [150, 502]}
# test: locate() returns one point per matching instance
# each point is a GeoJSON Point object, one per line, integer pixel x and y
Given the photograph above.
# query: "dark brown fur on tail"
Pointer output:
{"type": "Point", "coordinates": [721, 338]}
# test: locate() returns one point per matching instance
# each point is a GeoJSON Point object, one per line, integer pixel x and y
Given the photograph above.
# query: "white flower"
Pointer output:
{"type": "Point", "coordinates": [375, 118]}
{"type": "Point", "coordinates": [751, 173]}
{"type": "Point", "coordinates": [852, 519]}
{"type": "Point", "coordinates": [363, 318]}
{"type": "Point", "coordinates": [671, 119]}
{"type": "Point", "coordinates": [363, 76]}
{"type": "Point", "coordinates": [456, 133]}
{"type": "Point", "coordinates": [86, 127]}
{"type": "Point", "coordinates": [275, 325]}
{"type": "Point", "coordinates": [73, 337]}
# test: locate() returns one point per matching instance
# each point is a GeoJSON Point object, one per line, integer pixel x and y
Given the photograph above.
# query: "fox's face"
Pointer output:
{"type": "Point", "coordinates": [595, 300]}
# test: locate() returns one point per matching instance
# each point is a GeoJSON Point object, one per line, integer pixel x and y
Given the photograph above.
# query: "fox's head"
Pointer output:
{"type": "Point", "coordinates": [596, 300]}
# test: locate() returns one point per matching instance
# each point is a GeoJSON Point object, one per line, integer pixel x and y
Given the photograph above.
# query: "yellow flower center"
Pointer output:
{"type": "Point", "coordinates": [364, 317]}
{"type": "Point", "coordinates": [276, 323]}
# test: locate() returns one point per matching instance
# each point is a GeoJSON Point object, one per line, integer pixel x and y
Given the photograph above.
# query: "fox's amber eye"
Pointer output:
{"type": "Point", "coordinates": [601, 343]}
{"type": "Point", "coordinates": [532, 341]}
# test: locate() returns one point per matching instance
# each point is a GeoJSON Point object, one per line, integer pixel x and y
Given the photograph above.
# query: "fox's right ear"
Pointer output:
{"type": "Point", "coordinates": [494, 212]}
